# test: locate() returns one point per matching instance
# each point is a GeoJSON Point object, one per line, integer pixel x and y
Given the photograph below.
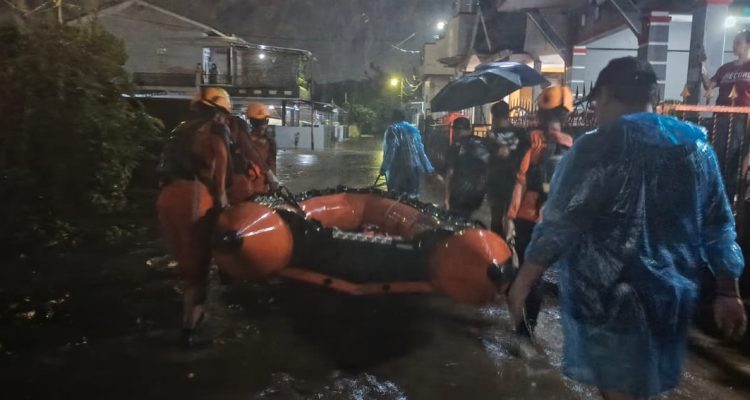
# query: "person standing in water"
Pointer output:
{"type": "Point", "coordinates": [636, 210]}
{"type": "Point", "coordinates": [466, 174]}
{"type": "Point", "coordinates": [404, 158]}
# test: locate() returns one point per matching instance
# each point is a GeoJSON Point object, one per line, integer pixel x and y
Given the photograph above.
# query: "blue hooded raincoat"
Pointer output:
{"type": "Point", "coordinates": [635, 212]}
{"type": "Point", "coordinates": [404, 158]}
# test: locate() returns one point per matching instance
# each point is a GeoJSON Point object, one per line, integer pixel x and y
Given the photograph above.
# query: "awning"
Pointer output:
{"type": "Point", "coordinates": [518, 5]}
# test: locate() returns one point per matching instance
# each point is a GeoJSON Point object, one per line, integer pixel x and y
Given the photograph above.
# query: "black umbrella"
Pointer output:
{"type": "Point", "coordinates": [487, 84]}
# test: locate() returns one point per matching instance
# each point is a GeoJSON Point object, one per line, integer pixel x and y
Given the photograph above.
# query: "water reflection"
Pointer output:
{"type": "Point", "coordinates": [306, 160]}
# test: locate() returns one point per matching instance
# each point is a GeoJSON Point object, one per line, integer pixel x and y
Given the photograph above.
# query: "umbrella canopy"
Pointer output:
{"type": "Point", "coordinates": [487, 84]}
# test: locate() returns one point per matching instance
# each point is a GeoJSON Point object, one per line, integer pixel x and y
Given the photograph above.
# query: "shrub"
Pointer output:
{"type": "Point", "coordinates": [69, 136]}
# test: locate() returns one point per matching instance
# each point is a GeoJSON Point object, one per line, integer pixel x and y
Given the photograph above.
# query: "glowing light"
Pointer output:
{"type": "Point", "coordinates": [441, 25]}
{"type": "Point", "coordinates": [271, 107]}
{"type": "Point", "coordinates": [730, 22]}
{"type": "Point", "coordinates": [262, 47]}
{"type": "Point", "coordinates": [262, 56]}
{"type": "Point", "coordinates": [394, 82]}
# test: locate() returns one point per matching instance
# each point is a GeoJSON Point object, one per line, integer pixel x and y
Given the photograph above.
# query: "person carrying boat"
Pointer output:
{"type": "Point", "coordinates": [466, 172]}
{"type": "Point", "coordinates": [535, 171]}
{"type": "Point", "coordinates": [404, 158]}
{"type": "Point", "coordinates": [264, 145]}
{"type": "Point", "coordinates": [252, 175]}
{"type": "Point", "coordinates": [636, 210]}
{"type": "Point", "coordinates": [509, 144]}
{"type": "Point", "coordinates": [195, 170]}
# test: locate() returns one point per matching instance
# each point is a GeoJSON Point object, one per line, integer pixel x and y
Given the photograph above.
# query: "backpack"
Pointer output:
{"type": "Point", "coordinates": [470, 167]}
{"type": "Point", "coordinates": [176, 160]}
{"type": "Point", "coordinates": [539, 176]}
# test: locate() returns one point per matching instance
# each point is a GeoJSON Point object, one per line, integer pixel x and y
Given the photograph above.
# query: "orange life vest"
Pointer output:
{"type": "Point", "coordinates": [526, 204]}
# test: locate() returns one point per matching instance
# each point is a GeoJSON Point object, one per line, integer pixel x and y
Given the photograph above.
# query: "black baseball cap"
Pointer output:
{"type": "Point", "coordinates": [625, 71]}
{"type": "Point", "coordinates": [500, 109]}
{"type": "Point", "coordinates": [461, 123]}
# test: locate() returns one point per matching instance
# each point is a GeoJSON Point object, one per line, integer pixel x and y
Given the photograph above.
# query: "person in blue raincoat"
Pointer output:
{"type": "Point", "coordinates": [404, 158]}
{"type": "Point", "coordinates": [636, 210]}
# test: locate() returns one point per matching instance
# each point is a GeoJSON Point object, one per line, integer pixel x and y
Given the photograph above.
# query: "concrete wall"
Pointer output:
{"type": "Point", "coordinates": [431, 54]}
{"type": "Point", "coordinates": [432, 86]}
{"type": "Point", "coordinates": [536, 45]}
{"type": "Point", "coordinates": [729, 40]}
{"type": "Point", "coordinates": [458, 34]}
{"type": "Point", "coordinates": [624, 43]}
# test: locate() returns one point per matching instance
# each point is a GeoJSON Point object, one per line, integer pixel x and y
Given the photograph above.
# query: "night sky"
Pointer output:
{"type": "Point", "coordinates": [344, 35]}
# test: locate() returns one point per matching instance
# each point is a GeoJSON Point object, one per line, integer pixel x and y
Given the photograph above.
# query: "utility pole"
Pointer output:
{"type": "Point", "coordinates": [401, 94]}
{"type": "Point", "coordinates": [398, 83]}
{"type": "Point", "coordinates": [312, 106]}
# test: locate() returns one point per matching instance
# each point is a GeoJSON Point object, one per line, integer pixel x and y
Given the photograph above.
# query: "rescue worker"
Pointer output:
{"type": "Point", "coordinates": [264, 145]}
{"type": "Point", "coordinates": [466, 172]}
{"type": "Point", "coordinates": [195, 169]}
{"type": "Point", "coordinates": [251, 175]}
{"type": "Point", "coordinates": [535, 171]}
{"type": "Point", "coordinates": [404, 158]}
{"type": "Point", "coordinates": [636, 210]}
{"type": "Point", "coordinates": [508, 145]}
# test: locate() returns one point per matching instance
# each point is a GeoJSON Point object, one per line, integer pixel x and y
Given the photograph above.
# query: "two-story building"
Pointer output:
{"type": "Point", "coordinates": [479, 33]}
{"type": "Point", "coordinates": [170, 56]}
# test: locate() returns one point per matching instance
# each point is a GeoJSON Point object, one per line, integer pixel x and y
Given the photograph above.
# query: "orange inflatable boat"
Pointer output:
{"type": "Point", "coordinates": [362, 241]}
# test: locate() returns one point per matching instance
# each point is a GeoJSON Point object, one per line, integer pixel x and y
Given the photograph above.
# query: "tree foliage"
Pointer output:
{"type": "Point", "coordinates": [69, 138]}
{"type": "Point", "coordinates": [364, 117]}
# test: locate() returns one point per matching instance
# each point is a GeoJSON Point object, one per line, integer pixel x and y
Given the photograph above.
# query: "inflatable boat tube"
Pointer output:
{"type": "Point", "coordinates": [362, 242]}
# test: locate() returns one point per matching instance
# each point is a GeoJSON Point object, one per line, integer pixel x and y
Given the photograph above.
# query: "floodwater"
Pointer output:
{"type": "Point", "coordinates": [105, 326]}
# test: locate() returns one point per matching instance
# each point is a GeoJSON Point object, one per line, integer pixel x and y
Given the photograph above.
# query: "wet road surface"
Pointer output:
{"type": "Point", "coordinates": [105, 326]}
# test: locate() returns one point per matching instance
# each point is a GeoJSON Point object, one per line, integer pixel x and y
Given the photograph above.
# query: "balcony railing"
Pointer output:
{"type": "Point", "coordinates": [235, 85]}
{"type": "Point", "coordinates": [179, 79]}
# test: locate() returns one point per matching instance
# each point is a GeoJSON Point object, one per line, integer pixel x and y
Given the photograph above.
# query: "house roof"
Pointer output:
{"type": "Point", "coordinates": [118, 7]}
{"type": "Point", "coordinates": [214, 36]}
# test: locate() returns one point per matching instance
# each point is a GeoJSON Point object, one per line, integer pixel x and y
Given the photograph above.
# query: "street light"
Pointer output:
{"type": "Point", "coordinates": [441, 25]}
{"type": "Point", "coordinates": [730, 22]}
{"type": "Point", "coordinates": [398, 83]}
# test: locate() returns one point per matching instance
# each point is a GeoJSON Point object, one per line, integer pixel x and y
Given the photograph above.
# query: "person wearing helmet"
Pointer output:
{"type": "Point", "coordinates": [263, 145]}
{"type": "Point", "coordinates": [251, 175]}
{"type": "Point", "coordinates": [194, 171]}
{"type": "Point", "coordinates": [548, 143]}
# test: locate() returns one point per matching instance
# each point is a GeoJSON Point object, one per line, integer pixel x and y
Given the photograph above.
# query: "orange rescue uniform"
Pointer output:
{"type": "Point", "coordinates": [527, 204]}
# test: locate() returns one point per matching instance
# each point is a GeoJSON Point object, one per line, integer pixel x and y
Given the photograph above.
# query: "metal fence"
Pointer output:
{"type": "Point", "coordinates": [728, 129]}
{"type": "Point", "coordinates": [581, 120]}
{"type": "Point", "coordinates": [438, 137]}
{"type": "Point", "coordinates": [180, 79]}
